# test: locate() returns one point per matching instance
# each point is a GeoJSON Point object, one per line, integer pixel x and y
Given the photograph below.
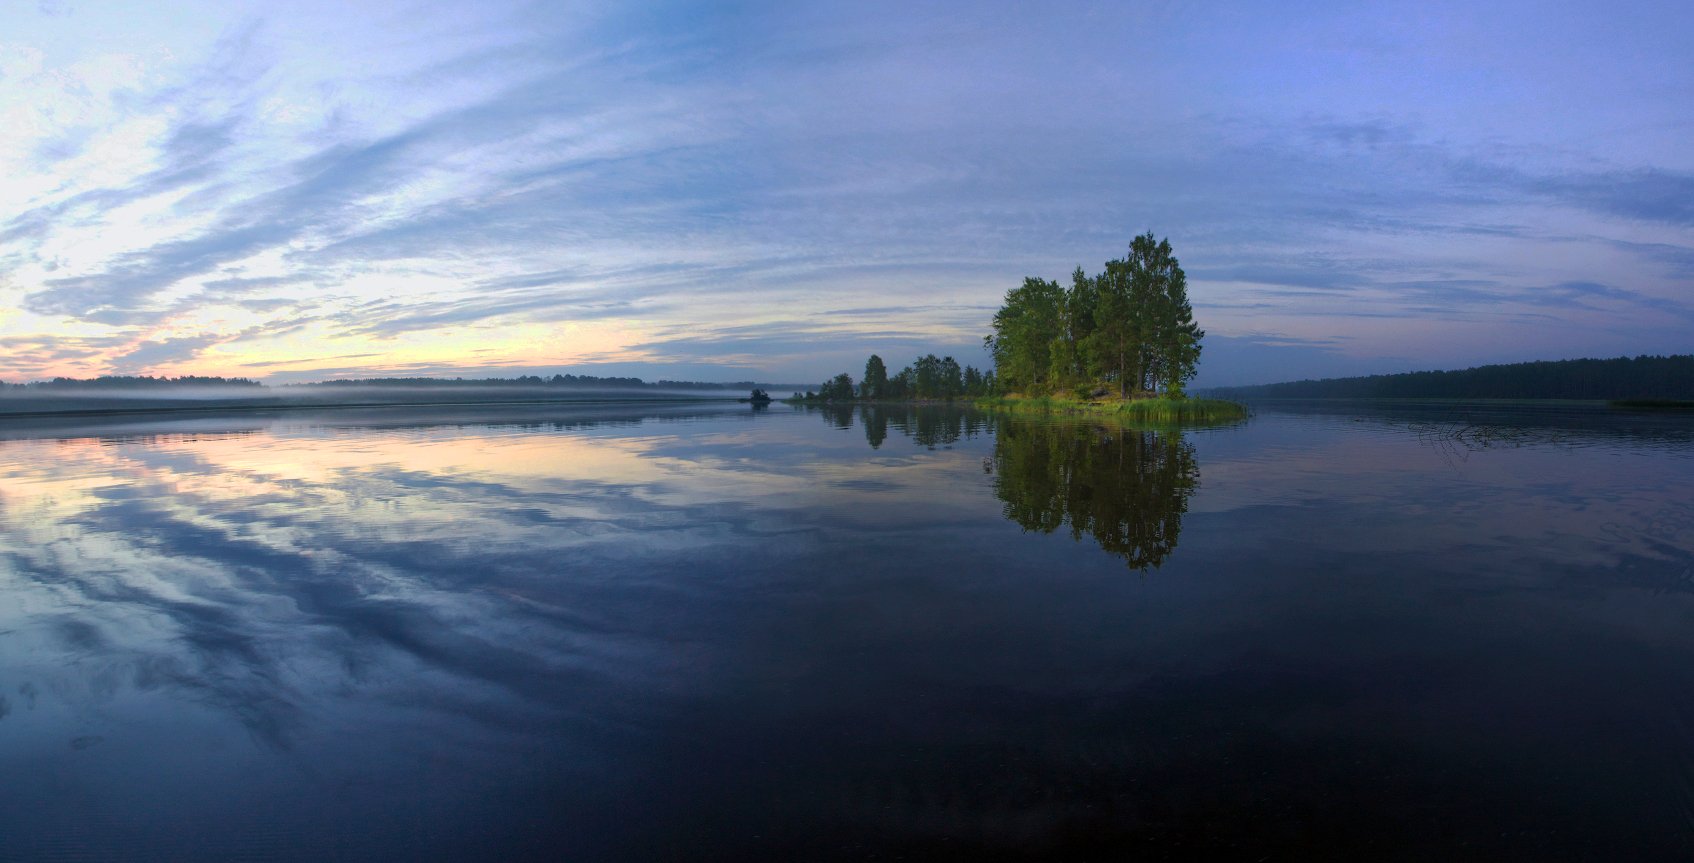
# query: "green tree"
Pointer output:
{"type": "Point", "coordinates": [837, 389]}
{"type": "Point", "coordinates": [1025, 330]}
{"type": "Point", "coordinates": [875, 382]}
{"type": "Point", "coordinates": [926, 374]}
{"type": "Point", "coordinates": [952, 380]}
{"type": "Point", "coordinates": [1131, 326]}
{"type": "Point", "coordinates": [1068, 357]}
{"type": "Point", "coordinates": [902, 385]}
{"type": "Point", "coordinates": [1113, 348]}
{"type": "Point", "coordinates": [1168, 340]}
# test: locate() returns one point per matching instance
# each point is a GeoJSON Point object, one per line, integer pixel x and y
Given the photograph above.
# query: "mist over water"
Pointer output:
{"type": "Point", "coordinates": [714, 632]}
{"type": "Point", "coordinates": [51, 401]}
{"type": "Point", "coordinates": [186, 393]}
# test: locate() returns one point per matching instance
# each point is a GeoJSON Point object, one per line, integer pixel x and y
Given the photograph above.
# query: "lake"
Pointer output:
{"type": "Point", "coordinates": [708, 632]}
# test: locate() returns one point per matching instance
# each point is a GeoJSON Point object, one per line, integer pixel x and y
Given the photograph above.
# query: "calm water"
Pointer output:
{"type": "Point", "coordinates": [716, 633]}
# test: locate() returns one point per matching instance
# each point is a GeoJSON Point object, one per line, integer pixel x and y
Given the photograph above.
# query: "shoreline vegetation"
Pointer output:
{"type": "Point", "coordinates": [1148, 410]}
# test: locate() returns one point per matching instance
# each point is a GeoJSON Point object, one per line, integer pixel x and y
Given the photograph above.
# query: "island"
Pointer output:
{"type": "Point", "coordinates": [1123, 341]}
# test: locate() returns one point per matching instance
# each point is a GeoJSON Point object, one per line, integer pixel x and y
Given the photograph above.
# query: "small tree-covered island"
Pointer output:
{"type": "Point", "coordinates": [1122, 341]}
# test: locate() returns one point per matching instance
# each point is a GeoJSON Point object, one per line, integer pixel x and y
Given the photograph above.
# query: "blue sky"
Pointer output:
{"type": "Point", "coordinates": [305, 190]}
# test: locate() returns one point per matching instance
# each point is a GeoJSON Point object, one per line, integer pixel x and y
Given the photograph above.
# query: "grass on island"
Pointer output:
{"type": "Point", "coordinates": [1153, 410]}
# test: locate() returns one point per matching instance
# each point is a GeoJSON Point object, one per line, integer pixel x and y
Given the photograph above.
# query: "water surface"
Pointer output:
{"type": "Point", "coordinates": [688, 632]}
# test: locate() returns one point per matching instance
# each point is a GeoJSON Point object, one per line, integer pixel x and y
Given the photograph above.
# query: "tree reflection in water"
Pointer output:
{"type": "Point", "coordinates": [928, 426]}
{"type": "Point", "coordinates": [1125, 487]}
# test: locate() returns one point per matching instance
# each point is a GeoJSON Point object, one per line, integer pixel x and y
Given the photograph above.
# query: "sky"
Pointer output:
{"type": "Point", "coordinates": [307, 190]}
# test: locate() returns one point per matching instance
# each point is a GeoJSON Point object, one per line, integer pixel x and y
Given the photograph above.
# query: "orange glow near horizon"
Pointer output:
{"type": "Point", "coordinates": [522, 345]}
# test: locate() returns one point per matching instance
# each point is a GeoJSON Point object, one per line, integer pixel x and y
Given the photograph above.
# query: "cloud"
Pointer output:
{"type": "Point", "coordinates": [1646, 194]}
{"type": "Point", "coordinates": [306, 360]}
{"type": "Point", "coordinates": [858, 175]}
{"type": "Point", "coordinates": [1678, 261]}
{"type": "Point", "coordinates": [1367, 133]}
{"type": "Point", "coordinates": [148, 355]}
{"type": "Point", "coordinates": [389, 319]}
{"type": "Point", "coordinates": [115, 295]}
{"type": "Point", "coordinates": [30, 356]}
{"type": "Point", "coordinates": [1319, 278]}
{"type": "Point", "coordinates": [807, 350]}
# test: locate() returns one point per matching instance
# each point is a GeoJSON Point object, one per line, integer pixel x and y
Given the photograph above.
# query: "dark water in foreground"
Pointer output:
{"type": "Point", "coordinates": [717, 634]}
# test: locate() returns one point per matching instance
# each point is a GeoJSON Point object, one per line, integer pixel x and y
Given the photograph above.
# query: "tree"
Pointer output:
{"type": "Point", "coordinates": [1025, 329]}
{"type": "Point", "coordinates": [902, 385]}
{"type": "Point", "coordinates": [837, 389]}
{"type": "Point", "coordinates": [1169, 340]}
{"type": "Point", "coordinates": [1130, 326]}
{"type": "Point", "coordinates": [1113, 348]}
{"type": "Point", "coordinates": [973, 382]}
{"type": "Point", "coordinates": [1068, 359]}
{"type": "Point", "coordinates": [926, 374]}
{"type": "Point", "coordinates": [951, 382]}
{"type": "Point", "coordinates": [875, 383]}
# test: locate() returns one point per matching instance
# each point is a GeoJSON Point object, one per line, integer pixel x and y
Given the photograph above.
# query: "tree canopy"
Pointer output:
{"type": "Point", "coordinates": [1129, 328]}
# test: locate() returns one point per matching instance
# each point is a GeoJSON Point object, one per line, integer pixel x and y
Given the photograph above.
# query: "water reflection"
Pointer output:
{"type": "Point", "coordinates": [1126, 488]}
{"type": "Point", "coordinates": [1458, 429]}
{"type": "Point", "coordinates": [248, 566]}
{"type": "Point", "coordinates": [767, 634]}
{"type": "Point", "coordinates": [929, 426]}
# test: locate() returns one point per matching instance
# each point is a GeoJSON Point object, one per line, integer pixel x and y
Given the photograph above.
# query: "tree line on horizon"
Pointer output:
{"type": "Point", "coordinates": [1642, 377]}
{"type": "Point", "coordinates": [1129, 328]}
{"type": "Point", "coordinates": [928, 378]}
{"type": "Point", "coordinates": [558, 380]}
{"type": "Point", "coordinates": [520, 381]}
{"type": "Point", "coordinates": [131, 382]}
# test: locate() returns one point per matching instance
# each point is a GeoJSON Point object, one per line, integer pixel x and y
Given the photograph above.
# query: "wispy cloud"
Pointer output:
{"type": "Point", "coordinates": [770, 188]}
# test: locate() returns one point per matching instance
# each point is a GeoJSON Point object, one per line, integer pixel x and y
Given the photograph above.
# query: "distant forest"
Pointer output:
{"type": "Point", "coordinates": [1643, 377]}
{"type": "Point", "coordinates": [129, 382]}
{"type": "Point", "coordinates": [534, 381]}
